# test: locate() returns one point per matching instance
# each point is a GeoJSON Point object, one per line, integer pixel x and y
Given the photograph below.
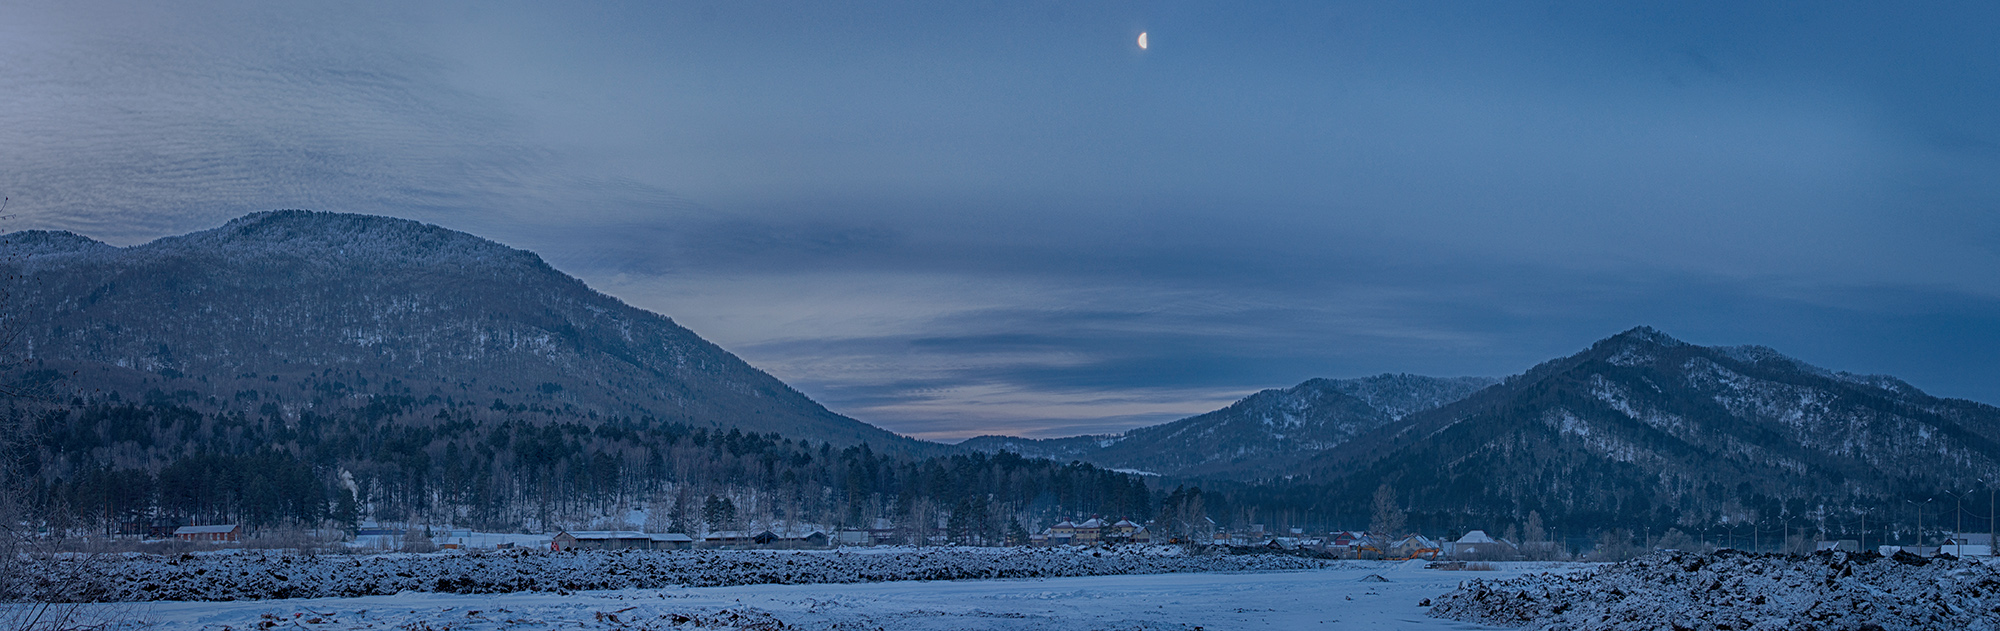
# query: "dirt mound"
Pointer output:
{"type": "Point", "coordinates": [250, 575]}
{"type": "Point", "coordinates": [1731, 590]}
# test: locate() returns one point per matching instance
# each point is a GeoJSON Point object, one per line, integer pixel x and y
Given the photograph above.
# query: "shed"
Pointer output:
{"type": "Point", "coordinates": [222, 532]}
{"type": "Point", "coordinates": [1478, 546]}
{"type": "Point", "coordinates": [738, 538]}
{"type": "Point", "coordinates": [672, 541]}
{"type": "Point", "coordinates": [602, 540]}
{"type": "Point", "coordinates": [808, 539]}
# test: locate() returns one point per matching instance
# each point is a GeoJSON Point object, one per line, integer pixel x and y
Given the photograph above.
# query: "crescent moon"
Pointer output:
{"type": "Point", "coordinates": [1142, 41]}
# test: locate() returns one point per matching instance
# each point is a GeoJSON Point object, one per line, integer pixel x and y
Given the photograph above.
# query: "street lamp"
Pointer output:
{"type": "Point", "coordinates": [1920, 518]}
{"type": "Point", "coordinates": [1992, 527]}
{"type": "Point", "coordinates": [1959, 530]}
{"type": "Point", "coordinates": [1864, 530]}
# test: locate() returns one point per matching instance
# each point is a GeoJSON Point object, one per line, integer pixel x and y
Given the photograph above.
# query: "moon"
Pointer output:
{"type": "Point", "coordinates": [1142, 40]}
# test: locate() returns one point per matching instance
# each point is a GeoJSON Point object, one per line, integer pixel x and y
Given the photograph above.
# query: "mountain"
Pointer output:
{"type": "Point", "coordinates": [1645, 428]}
{"type": "Point", "coordinates": [291, 312]}
{"type": "Point", "coordinates": [1266, 434]}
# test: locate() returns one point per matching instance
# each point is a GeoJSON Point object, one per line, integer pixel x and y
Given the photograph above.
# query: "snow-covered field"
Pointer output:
{"type": "Point", "coordinates": [1739, 590]}
{"type": "Point", "coordinates": [1342, 596]}
{"type": "Point", "coordinates": [1133, 588]}
{"type": "Point", "coordinates": [257, 575]}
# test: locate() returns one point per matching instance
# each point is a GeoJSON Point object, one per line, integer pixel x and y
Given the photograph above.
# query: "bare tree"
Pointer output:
{"type": "Point", "coordinates": [52, 603]}
{"type": "Point", "coordinates": [1390, 520]}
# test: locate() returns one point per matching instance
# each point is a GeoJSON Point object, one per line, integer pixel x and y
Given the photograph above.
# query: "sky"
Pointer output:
{"type": "Point", "coordinates": [953, 219]}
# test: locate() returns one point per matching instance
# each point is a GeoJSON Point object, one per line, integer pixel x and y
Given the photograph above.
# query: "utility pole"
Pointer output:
{"type": "Point", "coordinates": [1956, 531]}
{"type": "Point", "coordinates": [1992, 528]}
{"type": "Point", "coordinates": [1920, 518]}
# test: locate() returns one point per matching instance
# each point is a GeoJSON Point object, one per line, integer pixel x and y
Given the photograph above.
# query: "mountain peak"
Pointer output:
{"type": "Point", "coordinates": [1647, 335]}
{"type": "Point", "coordinates": [46, 242]}
{"type": "Point", "coordinates": [385, 307]}
{"type": "Point", "coordinates": [330, 236]}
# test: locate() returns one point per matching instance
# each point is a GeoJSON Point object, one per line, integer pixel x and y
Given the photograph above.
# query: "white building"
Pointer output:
{"type": "Point", "coordinates": [1968, 544]}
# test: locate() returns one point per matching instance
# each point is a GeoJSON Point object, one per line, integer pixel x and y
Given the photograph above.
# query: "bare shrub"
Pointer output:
{"type": "Point", "coordinates": [415, 540]}
{"type": "Point", "coordinates": [305, 542]}
{"type": "Point", "coordinates": [1615, 545]}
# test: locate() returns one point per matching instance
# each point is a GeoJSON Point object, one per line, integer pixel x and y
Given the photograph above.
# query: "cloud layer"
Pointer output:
{"type": "Point", "coordinates": [952, 220]}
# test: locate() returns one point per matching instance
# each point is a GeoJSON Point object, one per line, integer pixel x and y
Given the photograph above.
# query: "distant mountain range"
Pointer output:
{"type": "Point", "coordinates": [372, 323]}
{"type": "Point", "coordinates": [1266, 434]}
{"type": "Point", "coordinates": [1640, 428]}
{"type": "Point", "coordinates": [293, 311]}
{"type": "Point", "coordinates": [1644, 426]}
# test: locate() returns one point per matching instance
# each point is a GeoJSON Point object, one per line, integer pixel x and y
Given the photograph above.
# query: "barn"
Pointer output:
{"type": "Point", "coordinates": [222, 532]}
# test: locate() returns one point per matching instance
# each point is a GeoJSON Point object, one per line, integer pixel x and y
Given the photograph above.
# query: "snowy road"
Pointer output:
{"type": "Point", "coordinates": [1336, 598]}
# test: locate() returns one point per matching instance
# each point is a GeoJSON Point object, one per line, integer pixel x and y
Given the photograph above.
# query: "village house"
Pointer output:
{"type": "Point", "coordinates": [1346, 543]}
{"type": "Point", "coordinates": [1478, 546]}
{"type": "Point", "coordinates": [1122, 530]}
{"type": "Point", "coordinates": [1090, 532]}
{"type": "Point", "coordinates": [672, 541]}
{"type": "Point", "coordinates": [738, 539]}
{"type": "Point", "coordinates": [224, 532]}
{"type": "Point", "coordinates": [1414, 546]}
{"type": "Point", "coordinates": [1061, 534]}
{"type": "Point", "coordinates": [602, 540]}
{"type": "Point", "coordinates": [1126, 531]}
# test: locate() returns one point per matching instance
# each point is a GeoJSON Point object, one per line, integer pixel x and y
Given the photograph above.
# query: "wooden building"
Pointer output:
{"type": "Point", "coordinates": [602, 540]}
{"type": "Point", "coordinates": [217, 533]}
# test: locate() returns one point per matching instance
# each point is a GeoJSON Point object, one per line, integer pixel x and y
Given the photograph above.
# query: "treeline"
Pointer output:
{"type": "Point", "coordinates": [1746, 518]}
{"type": "Point", "coordinates": [114, 466]}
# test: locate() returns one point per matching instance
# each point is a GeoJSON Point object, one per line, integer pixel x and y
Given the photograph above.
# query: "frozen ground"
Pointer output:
{"type": "Point", "coordinates": [1739, 590]}
{"type": "Point", "coordinates": [256, 575]}
{"type": "Point", "coordinates": [469, 539]}
{"type": "Point", "coordinates": [1340, 597]}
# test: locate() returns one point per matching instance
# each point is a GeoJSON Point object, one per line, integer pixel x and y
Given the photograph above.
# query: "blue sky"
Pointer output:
{"type": "Point", "coordinates": [960, 218]}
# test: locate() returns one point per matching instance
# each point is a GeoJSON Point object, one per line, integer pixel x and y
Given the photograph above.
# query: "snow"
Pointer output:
{"type": "Point", "coordinates": [205, 530]}
{"type": "Point", "coordinates": [1339, 597]}
{"type": "Point", "coordinates": [1071, 588]}
{"type": "Point", "coordinates": [252, 575]}
{"type": "Point", "coordinates": [1737, 590]}
{"type": "Point", "coordinates": [463, 538]}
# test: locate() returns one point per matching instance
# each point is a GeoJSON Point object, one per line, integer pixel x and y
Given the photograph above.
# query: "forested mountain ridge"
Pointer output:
{"type": "Point", "coordinates": [1269, 433]}
{"type": "Point", "coordinates": [288, 311]}
{"type": "Point", "coordinates": [1642, 428]}
{"type": "Point", "coordinates": [295, 369]}
{"type": "Point", "coordinates": [108, 467]}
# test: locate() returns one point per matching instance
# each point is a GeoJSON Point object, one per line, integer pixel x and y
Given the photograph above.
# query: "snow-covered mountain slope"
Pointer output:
{"type": "Point", "coordinates": [290, 311]}
{"type": "Point", "coordinates": [1644, 426]}
{"type": "Point", "coordinates": [1265, 434]}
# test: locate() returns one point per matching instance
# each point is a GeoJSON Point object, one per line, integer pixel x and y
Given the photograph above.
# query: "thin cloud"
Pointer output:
{"type": "Point", "coordinates": [952, 219]}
